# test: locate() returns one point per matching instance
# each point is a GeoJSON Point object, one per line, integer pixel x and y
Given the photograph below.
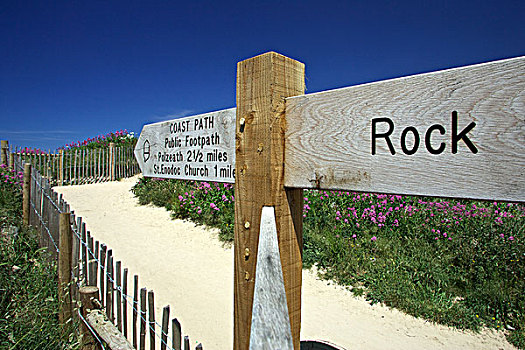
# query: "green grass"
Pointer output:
{"type": "Point", "coordinates": [458, 263]}
{"type": "Point", "coordinates": [28, 284]}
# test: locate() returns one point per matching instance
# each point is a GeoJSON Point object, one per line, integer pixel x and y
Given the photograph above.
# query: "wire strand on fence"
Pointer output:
{"type": "Point", "coordinates": [126, 297]}
{"type": "Point", "coordinates": [47, 196]}
{"type": "Point", "coordinates": [44, 225]}
{"type": "Point", "coordinates": [123, 294]}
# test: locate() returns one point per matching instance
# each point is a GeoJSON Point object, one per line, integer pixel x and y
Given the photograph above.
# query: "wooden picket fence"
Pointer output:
{"type": "Point", "coordinates": [82, 166]}
{"type": "Point", "coordinates": [113, 313]}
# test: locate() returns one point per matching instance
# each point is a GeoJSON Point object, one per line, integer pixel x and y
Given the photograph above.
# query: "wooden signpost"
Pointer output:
{"type": "Point", "coordinates": [200, 147]}
{"type": "Point", "coordinates": [453, 133]}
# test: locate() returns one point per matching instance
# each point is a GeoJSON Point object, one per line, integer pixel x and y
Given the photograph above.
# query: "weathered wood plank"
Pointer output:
{"type": "Point", "coordinates": [135, 309]}
{"type": "Point", "coordinates": [200, 147]}
{"type": "Point", "coordinates": [76, 255]}
{"type": "Point", "coordinates": [125, 303]}
{"type": "Point", "coordinates": [270, 327]}
{"type": "Point", "coordinates": [176, 335]}
{"type": "Point", "coordinates": [151, 319]}
{"type": "Point", "coordinates": [103, 271]}
{"type": "Point", "coordinates": [142, 319]}
{"type": "Point", "coordinates": [95, 270]}
{"type": "Point", "coordinates": [64, 269]}
{"type": "Point", "coordinates": [165, 325]}
{"type": "Point", "coordinates": [107, 331]}
{"type": "Point", "coordinates": [470, 123]}
{"type": "Point", "coordinates": [119, 294]}
{"type": "Point", "coordinates": [110, 287]}
{"type": "Point", "coordinates": [91, 261]}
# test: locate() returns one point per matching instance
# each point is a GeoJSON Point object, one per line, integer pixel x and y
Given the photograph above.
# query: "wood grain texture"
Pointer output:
{"type": "Point", "coordinates": [107, 331]}
{"type": "Point", "coordinates": [329, 137]}
{"type": "Point", "coordinates": [263, 82]}
{"type": "Point", "coordinates": [270, 327]}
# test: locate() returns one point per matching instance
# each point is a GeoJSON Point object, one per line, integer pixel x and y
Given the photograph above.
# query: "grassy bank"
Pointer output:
{"type": "Point", "coordinates": [459, 263]}
{"type": "Point", "coordinates": [28, 281]}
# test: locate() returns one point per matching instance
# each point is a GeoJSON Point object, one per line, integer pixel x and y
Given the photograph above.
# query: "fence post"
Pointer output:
{"type": "Point", "coordinates": [64, 267]}
{"type": "Point", "coordinates": [112, 160]}
{"type": "Point", "coordinates": [87, 294]}
{"type": "Point", "coordinates": [5, 151]}
{"type": "Point", "coordinates": [26, 192]}
{"type": "Point", "coordinates": [12, 161]}
{"type": "Point", "coordinates": [263, 83]}
{"type": "Point", "coordinates": [61, 167]}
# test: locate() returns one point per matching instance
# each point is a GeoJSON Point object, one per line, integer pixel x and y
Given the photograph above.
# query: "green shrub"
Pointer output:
{"type": "Point", "coordinates": [28, 283]}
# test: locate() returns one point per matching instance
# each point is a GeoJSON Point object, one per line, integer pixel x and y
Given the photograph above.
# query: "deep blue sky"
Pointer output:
{"type": "Point", "coordinates": [70, 70]}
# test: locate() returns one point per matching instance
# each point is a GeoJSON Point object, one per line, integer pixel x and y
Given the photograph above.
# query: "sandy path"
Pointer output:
{"type": "Point", "coordinates": [191, 271]}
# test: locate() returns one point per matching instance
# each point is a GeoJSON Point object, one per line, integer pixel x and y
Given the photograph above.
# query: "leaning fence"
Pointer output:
{"type": "Point", "coordinates": [81, 166]}
{"type": "Point", "coordinates": [93, 284]}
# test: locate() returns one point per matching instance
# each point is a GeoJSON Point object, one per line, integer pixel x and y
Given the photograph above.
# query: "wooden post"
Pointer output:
{"type": "Point", "coordinates": [64, 268]}
{"type": "Point", "coordinates": [176, 335]}
{"type": "Point", "coordinates": [151, 319]}
{"type": "Point", "coordinates": [5, 151]}
{"type": "Point", "coordinates": [112, 160]}
{"type": "Point", "coordinates": [263, 83]}
{"type": "Point", "coordinates": [76, 252]}
{"type": "Point", "coordinates": [109, 286]}
{"type": "Point", "coordinates": [124, 303]}
{"type": "Point", "coordinates": [84, 252]}
{"type": "Point", "coordinates": [135, 309]}
{"type": "Point", "coordinates": [91, 261]}
{"type": "Point", "coordinates": [107, 332]}
{"type": "Point", "coordinates": [95, 270]}
{"type": "Point", "coordinates": [75, 169]}
{"type": "Point", "coordinates": [26, 192]}
{"type": "Point", "coordinates": [103, 272]}
{"type": "Point", "coordinates": [165, 325]}
{"type": "Point", "coordinates": [87, 294]}
{"type": "Point", "coordinates": [118, 303]}
{"type": "Point", "coordinates": [12, 161]}
{"type": "Point", "coordinates": [61, 167]}
{"type": "Point", "coordinates": [143, 319]}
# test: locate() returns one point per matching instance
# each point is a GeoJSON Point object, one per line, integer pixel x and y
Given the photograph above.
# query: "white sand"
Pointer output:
{"type": "Point", "coordinates": [189, 269]}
